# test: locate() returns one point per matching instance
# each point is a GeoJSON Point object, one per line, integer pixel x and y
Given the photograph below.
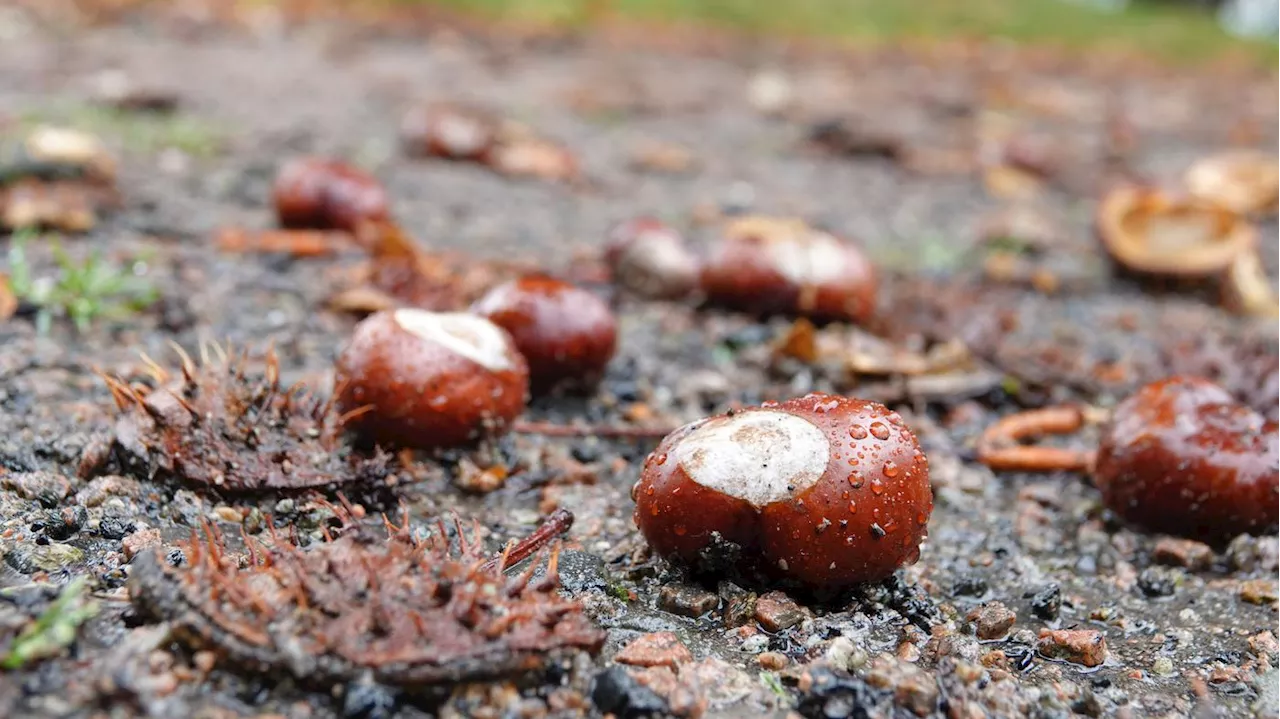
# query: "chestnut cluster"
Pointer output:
{"type": "Point", "coordinates": [757, 264]}
{"type": "Point", "coordinates": [413, 378]}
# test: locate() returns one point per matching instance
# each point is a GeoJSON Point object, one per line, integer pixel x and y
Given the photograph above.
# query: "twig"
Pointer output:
{"type": "Point", "coordinates": [556, 524]}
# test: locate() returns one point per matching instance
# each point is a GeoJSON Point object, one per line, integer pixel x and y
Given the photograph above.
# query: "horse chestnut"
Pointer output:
{"type": "Point", "coordinates": [822, 490]}
{"type": "Point", "coordinates": [453, 132]}
{"type": "Point", "coordinates": [1181, 456]}
{"type": "Point", "coordinates": [313, 193]}
{"type": "Point", "coordinates": [771, 265]}
{"type": "Point", "coordinates": [564, 332]}
{"type": "Point", "coordinates": [651, 259]}
{"type": "Point", "coordinates": [412, 378]}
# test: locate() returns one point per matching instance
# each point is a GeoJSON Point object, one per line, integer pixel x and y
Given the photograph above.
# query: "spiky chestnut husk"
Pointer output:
{"type": "Point", "coordinates": [406, 612]}
{"type": "Point", "coordinates": [214, 424]}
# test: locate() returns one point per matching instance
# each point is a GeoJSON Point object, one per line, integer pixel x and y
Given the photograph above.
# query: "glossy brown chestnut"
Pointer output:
{"type": "Point", "coordinates": [1181, 456]}
{"type": "Point", "coordinates": [314, 193]}
{"type": "Point", "coordinates": [773, 265]}
{"type": "Point", "coordinates": [821, 490]}
{"type": "Point", "coordinates": [651, 259]}
{"type": "Point", "coordinates": [564, 332]}
{"type": "Point", "coordinates": [454, 132]}
{"type": "Point", "coordinates": [426, 379]}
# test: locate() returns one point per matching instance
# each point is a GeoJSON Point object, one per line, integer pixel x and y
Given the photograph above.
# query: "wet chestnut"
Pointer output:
{"type": "Point", "coordinates": [773, 265]}
{"type": "Point", "coordinates": [650, 259]}
{"type": "Point", "coordinates": [822, 490]}
{"type": "Point", "coordinates": [1182, 456]}
{"type": "Point", "coordinates": [450, 131]}
{"type": "Point", "coordinates": [412, 378]}
{"type": "Point", "coordinates": [314, 193]}
{"type": "Point", "coordinates": [564, 332]}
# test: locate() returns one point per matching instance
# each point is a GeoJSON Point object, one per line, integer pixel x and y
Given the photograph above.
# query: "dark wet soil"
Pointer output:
{"type": "Point", "coordinates": [1187, 631]}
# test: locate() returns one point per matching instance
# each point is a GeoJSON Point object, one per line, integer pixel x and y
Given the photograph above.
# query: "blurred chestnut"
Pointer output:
{"type": "Point", "coordinates": [427, 380]}
{"type": "Point", "coordinates": [824, 491]}
{"type": "Point", "coordinates": [454, 132]}
{"type": "Point", "coordinates": [1182, 456]}
{"type": "Point", "coordinates": [773, 265]}
{"type": "Point", "coordinates": [314, 193]}
{"type": "Point", "coordinates": [564, 332]}
{"type": "Point", "coordinates": [651, 259]}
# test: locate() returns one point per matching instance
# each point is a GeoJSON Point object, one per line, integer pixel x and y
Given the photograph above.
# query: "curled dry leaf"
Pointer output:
{"type": "Point", "coordinates": [406, 612]}
{"type": "Point", "coordinates": [862, 353]}
{"type": "Point", "coordinates": [1242, 181]}
{"type": "Point", "coordinates": [999, 446]}
{"type": "Point", "coordinates": [1247, 289]}
{"type": "Point", "coordinates": [65, 205]}
{"type": "Point", "coordinates": [1151, 232]}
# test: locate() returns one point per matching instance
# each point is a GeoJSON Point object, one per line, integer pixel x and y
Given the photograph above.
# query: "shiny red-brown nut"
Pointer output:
{"type": "Point", "coordinates": [314, 193]}
{"type": "Point", "coordinates": [450, 131]}
{"type": "Point", "coordinates": [651, 259]}
{"type": "Point", "coordinates": [1182, 456]}
{"type": "Point", "coordinates": [425, 379]}
{"type": "Point", "coordinates": [771, 265]}
{"type": "Point", "coordinates": [564, 332]}
{"type": "Point", "coordinates": [822, 490]}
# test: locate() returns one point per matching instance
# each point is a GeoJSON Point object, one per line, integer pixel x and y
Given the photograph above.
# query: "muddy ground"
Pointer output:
{"type": "Point", "coordinates": [1186, 634]}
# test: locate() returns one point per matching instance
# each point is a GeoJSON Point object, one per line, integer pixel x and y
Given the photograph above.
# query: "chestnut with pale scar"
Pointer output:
{"type": "Point", "coordinates": [822, 491]}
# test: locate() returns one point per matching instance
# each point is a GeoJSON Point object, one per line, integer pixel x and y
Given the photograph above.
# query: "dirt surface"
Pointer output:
{"type": "Point", "coordinates": [1188, 630]}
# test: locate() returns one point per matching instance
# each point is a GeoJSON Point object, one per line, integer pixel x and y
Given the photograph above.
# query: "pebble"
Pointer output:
{"type": "Point", "coordinates": [776, 611]}
{"type": "Point", "coordinates": [772, 660]}
{"type": "Point", "coordinates": [1187, 553]}
{"type": "Point", "coordinates": [1259, 591]}
{"type": "Point", "coordinates": [1078, 646]}
{"type": "Point", "coordinates": [659, 649]}
{"type": "Point", "coordinates": [686, 601]}
{"type": "Point", "coordinates": [1047, 602]}
{"type": "Point", "coordinates": [140, 540]}
{"type": "Point", "coordinates": [614, 691]}
{"type": "Point", "coordinates": [992, 620]}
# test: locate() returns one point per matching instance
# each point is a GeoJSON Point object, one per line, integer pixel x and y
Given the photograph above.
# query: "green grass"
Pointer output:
{"type": "Point", "coordinates": [1164, 30]}
{"type": "Point", "coordinates": [55, 629]}
{"type": "Point", "coordinates": [82, 292]}
{"type": "Point", "coordinates": [136, 132]}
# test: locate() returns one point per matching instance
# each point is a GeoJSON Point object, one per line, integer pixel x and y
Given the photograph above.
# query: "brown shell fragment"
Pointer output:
{"type": "Point", "coordinates": [403, 611]}
{"type": "Point", "coordinates": [216, 425]}
{"type": "Point", "coordinates": [1150, 232]}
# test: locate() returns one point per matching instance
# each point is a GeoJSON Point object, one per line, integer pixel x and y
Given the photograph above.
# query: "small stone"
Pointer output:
{"type": "Point", "coordinates": [739, 605]}
{"type": "Point", "coordinates": [772, 660]}
{"type": "Point", "coordinates": [1162, 666]}
{"type": "Point", "coordinates": [1078, 646]}
{"type": "Point", "coordinates": [204, 661]}
{"type": "Point", "coordinates": [47, 488]}
{"type": "Point", "coordinates": [1248, 553]}
{"type": "Point", "coordinates": [135, 543]}
{"type": "Point", "coordinates": [1159, 581]}
{"type": "Point", "coordinates": [912, 687]}
{"type": "Point", "coordinates": [992, 620]}
{"type": "Point", "coordinates": [227, 515]}
{"type": "Point", "coordinates": [1263, 644]}
{"type": "Point", "coordinates": [615, 691]}
{"type": "Point", "coordinates": [843, 654]}
{"type": "Point", "coordinates": [776, 611]}
{"type": "Point", "coordinates": [687, 601]}
{"type": "Point", "coordinates": [659, 649]}
{"type": "Point", "coordinates": [1188, 553]}
{"type": "Point", "coordinates": [969, 585]}
{"type": "Point", "coordinates": [755, 644]}
{"type": "Point", "coordinates": [60, 524]}
{"type": "Point", "coordinates": [1047, 602]}
{"type": "Point", "coordinates": [1259, 591]}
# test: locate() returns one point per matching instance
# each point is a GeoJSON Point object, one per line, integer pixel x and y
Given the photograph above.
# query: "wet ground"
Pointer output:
{"type": "Point", "coordinates": [1188, 631]}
